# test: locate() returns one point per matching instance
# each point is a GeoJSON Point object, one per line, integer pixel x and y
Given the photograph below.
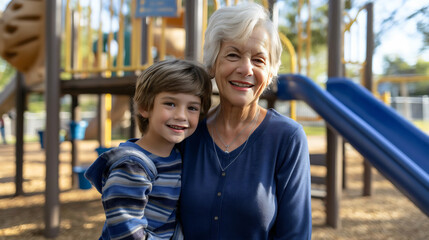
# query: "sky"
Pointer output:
{"type": "Point", "coordinates": [402, 39]}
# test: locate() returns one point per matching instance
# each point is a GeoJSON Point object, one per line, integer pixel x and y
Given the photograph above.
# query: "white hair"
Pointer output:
{"type": "Point", "coordinates": [236, 23]}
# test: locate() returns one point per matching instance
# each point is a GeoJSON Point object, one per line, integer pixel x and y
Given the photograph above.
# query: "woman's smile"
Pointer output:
{"type": "Point", "coordinates": [241, 86]}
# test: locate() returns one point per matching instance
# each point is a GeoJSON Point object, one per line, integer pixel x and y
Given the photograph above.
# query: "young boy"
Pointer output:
{"type": "Point", "coordinates": [140, 180]}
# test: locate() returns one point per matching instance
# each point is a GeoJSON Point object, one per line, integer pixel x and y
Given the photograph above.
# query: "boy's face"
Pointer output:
{"type": "Point", "coordinates": [173, 118]}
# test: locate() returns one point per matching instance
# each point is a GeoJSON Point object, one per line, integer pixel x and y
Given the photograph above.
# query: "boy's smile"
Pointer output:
{"type": "Point", "coordinates": [173, 118]}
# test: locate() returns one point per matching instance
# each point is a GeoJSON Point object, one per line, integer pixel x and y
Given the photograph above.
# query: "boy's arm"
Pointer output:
{"type": "Point", "coordinates": [124, 198]}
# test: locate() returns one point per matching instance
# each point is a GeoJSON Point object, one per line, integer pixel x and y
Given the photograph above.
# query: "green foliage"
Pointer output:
{"type": "Point", "coordinates": [36, 103]}
{"type": "Point", "coordinates": [348, 4]}
{"type": "Point", "coordinates": [6, 73]}
{"type": "Point", "coordinates": [397, 66]}
{"type": "Point", "coordinates": [319, 22]}
{"type": "Point", "coordinates": [422, 25]}
{"type": "Point", "coordinates": [423, 28]}
{"type": "Point", "coordinates": [87, 103]}
{"type": "Point", "coordinates": [314, 130]}
{"type": "Point", "coordinates": [422, 67]}
{"type": "Point", "coordinates": [318, 26]}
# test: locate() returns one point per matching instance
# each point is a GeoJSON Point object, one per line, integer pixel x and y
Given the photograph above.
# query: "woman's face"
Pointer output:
{"type": "Point", "coordinates": [242, 69]}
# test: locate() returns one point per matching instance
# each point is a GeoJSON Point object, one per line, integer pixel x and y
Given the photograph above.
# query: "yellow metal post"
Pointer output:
{"type": "Point", "coordinates": [88, 39]}
{"type": "Point", "coordinates": [100, 40]}
{"type": "Point", "coordinates": [308, 42]}
{"type": "Point", "coordinates": [289, 47]}
{"type": "Point", "coordinates": [386, 98]}
{"type": "Point", "coordinates": [108, 129]}
{"type": "Point", "coordinates": [78, 36]}
{"type": "Point", "coordinates": [216, 4]}
{"type": "Point", "coordinates": [205, 15]}
{"type": "Point", "coordinates": [150, 40]}
{"type": "Point", "coordinates": [110, 38]}
{"type": "Point", "coordinates": [121, 44]}
{"type": "Point", "coordinates": [162, 44]}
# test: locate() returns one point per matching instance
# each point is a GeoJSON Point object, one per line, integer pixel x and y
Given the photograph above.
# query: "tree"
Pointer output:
{"type": "Point", "coordinates": [6, 73]}
{"type": "Point", "coordinates": [422, 25]}
{"type": "Point", "coordinates": [420, 16]}
{"type": "Point", "coordinates": [397, 67]}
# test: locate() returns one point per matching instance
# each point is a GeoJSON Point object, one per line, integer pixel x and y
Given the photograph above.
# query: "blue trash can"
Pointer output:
{"type": "Point", "coordinates": [83, 182]}
{"type": "Point", "coordinates": [77, 130]}
{"type": "Point", "coordinates": [41, 133]}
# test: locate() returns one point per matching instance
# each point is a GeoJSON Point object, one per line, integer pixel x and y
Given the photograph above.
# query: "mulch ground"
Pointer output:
{"type": "Point", "coordinates": [387, 214]}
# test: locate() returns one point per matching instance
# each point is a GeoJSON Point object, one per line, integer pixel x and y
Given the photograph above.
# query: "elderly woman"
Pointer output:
{"type": "Point", "coordinates": [245, 169]}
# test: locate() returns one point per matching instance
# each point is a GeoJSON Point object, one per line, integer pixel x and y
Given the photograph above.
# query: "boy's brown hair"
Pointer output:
{"type": "Point", "coordinates": [176, 76]}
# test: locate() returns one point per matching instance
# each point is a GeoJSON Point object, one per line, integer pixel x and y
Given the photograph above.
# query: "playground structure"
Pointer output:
{"type": "Point", "coordinates": [400, 155]}
{"type": "Point", "coordinates": [107, 77]}
{"type": "Point", "coordinates": [23, 46]}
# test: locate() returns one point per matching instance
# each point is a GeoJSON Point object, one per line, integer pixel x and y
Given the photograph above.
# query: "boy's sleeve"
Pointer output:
{"type": "Point", "coordinates": [124, 198]}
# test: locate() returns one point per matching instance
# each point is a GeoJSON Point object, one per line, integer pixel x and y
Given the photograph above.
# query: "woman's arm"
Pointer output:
{"type": "Point", "coordinates": [294, 191]}
{"type": "Point", "coordinates": [124, 198]}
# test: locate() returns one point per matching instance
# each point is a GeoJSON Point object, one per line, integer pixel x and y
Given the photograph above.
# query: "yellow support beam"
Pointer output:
{"type": "Point", "coordinates": [87, 65]}
{"type": "Point", "coordinates": [265, 4]}
{"type": "Point", "coordinates": [108, 129]}
{"type": "Point", "coordinates": [386, 98]}
{"type": "Point", "coordinates": [78, 49]}
{"type": "Point", "coordinates": [99, 53]}
{"type": "Point", "coordinates": [150, 40]}
{"type": "Point", "coordinates": [120, 39]}
{"type": "Point", "coordinates": [304, 40]}
{"type": "Point", "coordinates": [291, 50]}
{"type": "Point", "coordinates": [205, 16]}
{"type": "Point", "coordinates": [110, 38]}
{"type": "Point", "coordinates": [112, 69]}
{"type": "Point", "coordinates": [162, 46]}
{"type": "Point", "coordinates": [404, 78]}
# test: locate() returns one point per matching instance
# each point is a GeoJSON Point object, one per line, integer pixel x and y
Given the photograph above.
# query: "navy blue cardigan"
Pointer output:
{"type": "Point", "coordinates": [264, 194]}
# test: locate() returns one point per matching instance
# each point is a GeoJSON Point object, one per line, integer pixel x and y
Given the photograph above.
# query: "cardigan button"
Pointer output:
{"type": "Point", "coordinates": [216, 218]}
{"type": "Point", "coordinates": [223, 174]}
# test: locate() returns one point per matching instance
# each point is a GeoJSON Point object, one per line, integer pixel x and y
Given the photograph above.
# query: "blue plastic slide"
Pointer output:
{"type": "Point", "coordinates": [396, 148]}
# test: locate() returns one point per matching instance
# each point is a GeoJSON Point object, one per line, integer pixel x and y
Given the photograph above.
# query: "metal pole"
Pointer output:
{"type": "Point", "coordinates": [369, 45]}
{"type": "Point", "coordinates": [193, 20]}
{"type": "Point", "coordinates": [132, 131]}
{"type": "Point", "coordinates": [75, 117]}
{"type": "Point", "coordinates": [74, 103]}
{"type": "Point", "coordinates": [333, 154]}
{"type": "Point", "coordinates": [367, 182]}
{"type": "Point", "coordinates": [19, 125]}
{"type": "Point", "coordinates": [101, 118]}
{"type": "Point", "coordinates": [52, 96]}
{"type": "Point", "coordinates": [274, 11]}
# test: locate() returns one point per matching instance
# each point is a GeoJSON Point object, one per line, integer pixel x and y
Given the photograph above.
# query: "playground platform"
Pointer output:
{"type": "Point", "coordinates": [388, 214]}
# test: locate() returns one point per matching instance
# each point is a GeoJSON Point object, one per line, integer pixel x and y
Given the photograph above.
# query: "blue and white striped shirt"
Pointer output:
{"type": "Point", "coordinates": [139, 201]}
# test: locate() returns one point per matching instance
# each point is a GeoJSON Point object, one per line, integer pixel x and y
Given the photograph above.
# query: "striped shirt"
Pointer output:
{"type": "Point", "coordinates": [139, 197]}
